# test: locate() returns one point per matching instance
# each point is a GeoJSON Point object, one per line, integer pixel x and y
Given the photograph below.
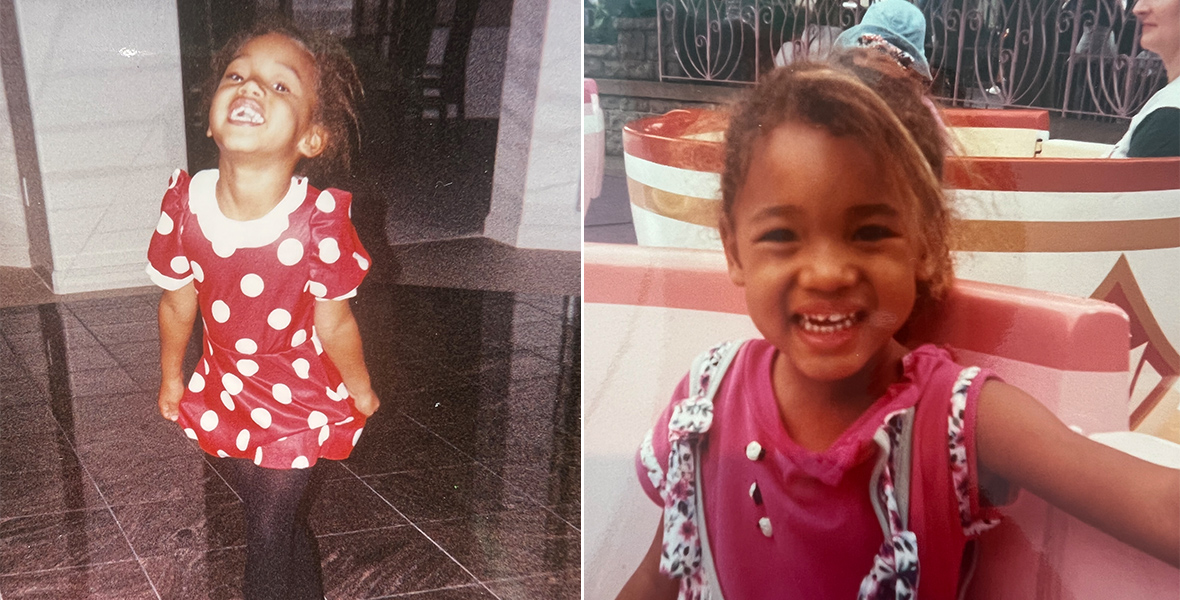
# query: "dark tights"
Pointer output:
{"type": "Point", "coordinates": [282, 558]}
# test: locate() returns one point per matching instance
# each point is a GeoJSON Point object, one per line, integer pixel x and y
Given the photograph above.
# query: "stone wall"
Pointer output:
{"type": "Point", "coordinates": [628, 80]}
{"type": "Point", "coordinates": [634, 56]}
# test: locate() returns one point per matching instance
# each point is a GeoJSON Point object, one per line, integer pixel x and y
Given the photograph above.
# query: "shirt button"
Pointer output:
{"type": "Point", "coordinates": [754, 451]}
{"type": "Point", "coordinates": [756, 494]}
{"type": "Point", "coordinates": [764, 525]}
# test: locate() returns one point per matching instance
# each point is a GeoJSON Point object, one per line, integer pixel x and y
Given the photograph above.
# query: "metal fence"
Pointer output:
{"type": "Point", "coordinates": [1073, 56]}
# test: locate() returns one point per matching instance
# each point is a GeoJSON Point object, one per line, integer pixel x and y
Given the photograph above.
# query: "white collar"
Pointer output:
{"type": "Point", "coordinates": [226, 234]}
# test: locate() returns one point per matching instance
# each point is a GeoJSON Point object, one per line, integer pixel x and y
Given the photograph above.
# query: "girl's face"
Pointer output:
{"type": "Point", "coordinates": [824, 253]}
{"type": "Point", "coordinates": [265, 102]}
{"type": "Point", "coordinates": [1160, 22]}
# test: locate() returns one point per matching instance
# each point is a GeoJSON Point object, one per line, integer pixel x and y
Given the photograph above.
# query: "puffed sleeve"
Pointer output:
{"type": "Point", "coordinates": [168, 267]}
{"type": "Point", "coordinates": [651, 462]}
{"type": "Point", "coordinates": [338, 261]}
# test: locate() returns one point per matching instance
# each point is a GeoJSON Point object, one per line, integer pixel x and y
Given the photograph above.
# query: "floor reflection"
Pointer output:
{"type": "Point", "coordinates": [465, 485]}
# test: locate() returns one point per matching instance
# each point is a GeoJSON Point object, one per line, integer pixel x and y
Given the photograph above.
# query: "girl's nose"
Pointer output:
{"type": "Point", "coordinates": [827, 267]}
{"type": "Point", "coordinates": [250, 87]}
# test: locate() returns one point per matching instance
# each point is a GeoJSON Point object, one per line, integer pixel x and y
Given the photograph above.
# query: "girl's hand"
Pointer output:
{"type": "Point", "coordinates": [366, 402]}
{"type": "Point", "coordinates": [170, 393]}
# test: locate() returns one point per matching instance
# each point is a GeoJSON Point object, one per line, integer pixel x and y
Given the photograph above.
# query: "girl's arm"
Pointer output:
{"type": "Point", "coordinates": [341, 338]}
{"type": "Point", "coordinates": [1135, 501]}
{"type": "Point", "coordinates": [647, 581]}
{"type": "Point", "coordinates": [178, 310]}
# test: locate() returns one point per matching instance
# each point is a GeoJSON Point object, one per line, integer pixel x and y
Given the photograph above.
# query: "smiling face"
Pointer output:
{"type": "Point", "coordinates": [1160, 29]}
{"type": "Point", "coordinates": [825, 255]}
{"type": "Point", "coordinates": [264, 105]}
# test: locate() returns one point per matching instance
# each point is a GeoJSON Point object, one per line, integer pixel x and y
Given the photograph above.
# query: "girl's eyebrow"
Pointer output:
{"type": "Point", "coordinates": [880, 209]}
{"type": "Point", "coordinates": [284, 65]}
{"type": "Point", "coordinates": [778, 210]}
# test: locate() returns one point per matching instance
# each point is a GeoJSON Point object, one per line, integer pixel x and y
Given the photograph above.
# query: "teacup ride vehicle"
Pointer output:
{"type": "Point", "coordinates": [654, 309]}
{"type": "Point", "coordinates": [1035, 213]}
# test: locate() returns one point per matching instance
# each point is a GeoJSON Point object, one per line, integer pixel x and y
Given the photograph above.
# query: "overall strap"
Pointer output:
{"type": "Point", "coordinates": [895, 567]}
{"type": "Point", "coordinates": [691, 418]}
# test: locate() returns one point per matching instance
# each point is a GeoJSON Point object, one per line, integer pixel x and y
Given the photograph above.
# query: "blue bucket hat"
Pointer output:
{"type": "Point", "coordinates": [899, 24]}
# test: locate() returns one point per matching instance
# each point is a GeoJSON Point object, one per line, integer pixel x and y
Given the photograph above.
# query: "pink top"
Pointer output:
{"type": "Point", "coordinates": [263, 389]}
{"type": "Point", "coordinates": [824, 531]}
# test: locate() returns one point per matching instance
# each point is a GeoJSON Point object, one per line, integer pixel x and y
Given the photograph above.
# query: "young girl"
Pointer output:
{"type": "Point", "coordinates": [270, 262]}
{"type": "Point", "coordinates": [835, 225]}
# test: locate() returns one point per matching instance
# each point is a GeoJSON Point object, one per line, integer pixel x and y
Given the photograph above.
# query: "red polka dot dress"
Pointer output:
{"type": "Point", "coordinates": [263, 390]}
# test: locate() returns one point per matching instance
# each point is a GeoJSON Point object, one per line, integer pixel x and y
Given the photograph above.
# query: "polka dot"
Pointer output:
{"type": "Point", "coordinates": [173, 179]}
{"type": "Point", "coordinates": [326, 203]}
{"type": "Point", "coordinates": [252, 285]}
{"type": "Point", "coordinates": [302, 367]}
{"type": "Point", "coordinates": [333, 395]}
{"type": "Point", "coordinates": [222, 454]}
{"type": "Point", "coordinates": [223, 250]}
{"type": "Point", "coordinates": [261, 416]}
{"type": "Point", "coordinates": [315, 342]}
{"type": "Point", "coordinates": [317, 289]}
{"type": "Point", "coordinates": [190, 433]}
{"type": "Point", "coordinates": [246, 346]}
{"type": "Point", "coordinates": [227, 400]}
{"type": "Point", "coordinates": [300, 462]}
{"type": "Point", "coordinates": [258, 456]}
{"type": "Point", "coordinates": [209, 420]}
{"type": "Point", "coordinates": [329, 250]}
{"type": "Point", "coordinates": [164, 227]}
{"type": "Point", "coordinates": [345, 421]}
{"type": "Point", "coordinates": [290, 251]}
{"type": "Point", "coordinates": [299, 337]}
{"type": "Point", "coordinates": [247, 367]}
{"type": "Point", "coordinates": [197, 383]}
{"type": "Point", "coordinates": [205, 363]}
{"type": "Point", "coordinates": [766, 527]}
{"type": "Point", "coordinates": [198, 272]}
{"type": "Point", "coordinates": [343, 391]}
{"type": "Point", "coordinates": [179, 264]}
{"type": "Point", "coordinates": [231, 382]}
{"type": "Point", "coordinates": [356, 436]}
{"type": "Point", "coordinates": [324, 434]}
{"type": "Point", "coordinates": [220, 311]}
{"type": "Point", "coordinates": [243, 439]}
{"type": "Point", "coordinates": [278, 319]}
{"type": "Point", "coordinates": [316, 419]}
{"type": "Point", "coordinates": [281, 393]}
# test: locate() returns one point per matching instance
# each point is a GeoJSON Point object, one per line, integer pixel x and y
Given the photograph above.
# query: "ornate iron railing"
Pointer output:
{"type": "Point", "coordinates": [1074, 56]}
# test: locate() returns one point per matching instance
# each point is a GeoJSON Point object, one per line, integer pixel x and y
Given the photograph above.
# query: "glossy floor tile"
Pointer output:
{"type": "Point", "coordinates": [464, 485]}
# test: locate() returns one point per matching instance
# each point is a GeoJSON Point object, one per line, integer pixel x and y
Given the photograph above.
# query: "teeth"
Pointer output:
{"type": "Point", "coordinates": [826, 323]}
{"type": "Point", "coordinates": [245, 113]}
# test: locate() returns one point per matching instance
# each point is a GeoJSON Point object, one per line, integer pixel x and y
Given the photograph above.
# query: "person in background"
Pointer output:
{"type": "Point", "coordinates": [1155, 130]}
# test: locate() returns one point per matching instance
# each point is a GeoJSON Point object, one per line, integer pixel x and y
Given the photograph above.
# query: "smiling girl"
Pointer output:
{"type": "Point", "coordinates": [827, 460]}
{"type": "Point", "coordinates": [270, 263]}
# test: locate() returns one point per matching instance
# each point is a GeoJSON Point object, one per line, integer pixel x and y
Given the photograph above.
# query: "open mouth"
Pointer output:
{"type": "Point", "coordinates": [827, 323]}
{"type": "Point", "coordinates": [245, 112]}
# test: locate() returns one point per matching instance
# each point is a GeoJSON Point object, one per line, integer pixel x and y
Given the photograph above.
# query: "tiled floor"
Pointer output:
{"type": "Point", "coordinates": [466, 483]}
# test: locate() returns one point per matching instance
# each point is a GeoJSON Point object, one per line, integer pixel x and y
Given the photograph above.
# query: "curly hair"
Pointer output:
{"type": "Point", "coordinates": [862, 94]}
{"type": "Point", "coordinates": [338, 89]}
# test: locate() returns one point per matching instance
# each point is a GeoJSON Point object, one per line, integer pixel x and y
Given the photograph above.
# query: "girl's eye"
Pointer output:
{"type": "Point", "coordinates": [233, 77]}
{"type": "Point", "coordinates": [778, 235]}
{"type": "Point", "coordinates": [281, 88]}
{"type": "Point", "coordinates": [873, 233]}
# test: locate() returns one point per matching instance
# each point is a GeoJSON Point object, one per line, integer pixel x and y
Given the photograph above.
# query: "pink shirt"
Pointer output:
{"type": "Point", "coordinates": [824, 531]}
